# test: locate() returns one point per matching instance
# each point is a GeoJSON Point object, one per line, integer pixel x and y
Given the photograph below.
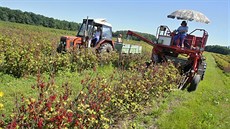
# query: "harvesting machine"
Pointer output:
{"type": "Point", "coordinates": [193, 66]}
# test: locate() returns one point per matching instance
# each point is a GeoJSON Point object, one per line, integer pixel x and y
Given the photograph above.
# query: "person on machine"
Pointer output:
{"type": "Point", "coordinates": [119, 38]}
{"type": "Point", "coordinates": [181, 34]}
{"type": "Point", "coordinates": [97, 36]}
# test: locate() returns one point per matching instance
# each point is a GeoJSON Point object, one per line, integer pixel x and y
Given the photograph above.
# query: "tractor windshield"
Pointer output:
{"type": "Point", "coordinates": [81, 31]}
{"type": "Point", "coordinates": [106, 32]}
{"type": "Point", "coordinates": [84, 30]}
{"type": "Point", "coordinates": [87, 31]}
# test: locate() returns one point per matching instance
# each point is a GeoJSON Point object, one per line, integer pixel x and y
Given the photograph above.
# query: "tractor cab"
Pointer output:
{"type": "Point", "coordinates": [86, 34]}
{"type": "Point", "coordinates": [89, 27]}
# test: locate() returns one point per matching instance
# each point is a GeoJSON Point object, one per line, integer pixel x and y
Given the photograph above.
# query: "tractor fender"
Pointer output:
{"type": "Point", "coordinates": [77, 40]}
{"type": "Point", "coordinates": [104, 41]}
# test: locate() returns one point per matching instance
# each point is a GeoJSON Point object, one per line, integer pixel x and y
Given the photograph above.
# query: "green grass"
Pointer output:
{"type": "Point", "coordinates": [12, 87]}
{"type": "Point", "coordinates": [207, 107]}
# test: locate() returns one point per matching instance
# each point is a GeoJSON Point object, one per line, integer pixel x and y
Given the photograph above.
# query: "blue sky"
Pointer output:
{"type": "Point", "coordinates": [138, 15]}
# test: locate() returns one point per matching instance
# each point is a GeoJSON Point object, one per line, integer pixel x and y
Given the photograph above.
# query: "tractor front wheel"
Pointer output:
{"type": "Point", "coordinates": [105, 47]}
{"type": "Point", "coordinates": [60, 48]}
{"type": "Point", "coordinates": [194, 83]}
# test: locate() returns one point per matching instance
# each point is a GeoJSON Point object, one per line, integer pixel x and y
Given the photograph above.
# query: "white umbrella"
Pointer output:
{"type": "Point", "coordinates": [189, 15]}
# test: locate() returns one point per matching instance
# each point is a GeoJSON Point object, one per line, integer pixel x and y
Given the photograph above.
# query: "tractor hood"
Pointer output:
{"type": "Point", "coordinates": [72, 39]}
{"type": "Point", "coordinates": [69, 37]}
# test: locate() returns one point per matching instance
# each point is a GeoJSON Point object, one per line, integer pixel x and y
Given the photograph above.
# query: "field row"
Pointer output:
{"type": "Point", "coordinates": [89, 100]}
{"type": "Point", "coordinates": [223, 61]}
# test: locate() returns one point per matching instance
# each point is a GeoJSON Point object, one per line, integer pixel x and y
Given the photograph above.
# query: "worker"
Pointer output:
{"type": "Point", "coordinates": [181, 34]}
{"type": "Point", "coordinates": [119, 38]}
{"type": "Point", "coordinates": [97, 36]}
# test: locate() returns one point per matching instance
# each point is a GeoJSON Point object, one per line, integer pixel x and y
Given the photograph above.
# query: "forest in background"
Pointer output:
{"type": "Point", "coordinates": [218, 49]}
{"type": "Point", "coordinates": [35, 19]}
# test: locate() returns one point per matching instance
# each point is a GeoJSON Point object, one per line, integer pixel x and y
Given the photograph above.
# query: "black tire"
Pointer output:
{"type": "Point", "coordinates": [105, 47]}
{"type": "Point", "coordinates": [195, 81]}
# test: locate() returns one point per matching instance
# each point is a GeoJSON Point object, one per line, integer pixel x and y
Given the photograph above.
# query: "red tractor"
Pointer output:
{"type": "Point", "coordinates": [85, 35]}
{"type": "Point", "coordinates": [164, 48]}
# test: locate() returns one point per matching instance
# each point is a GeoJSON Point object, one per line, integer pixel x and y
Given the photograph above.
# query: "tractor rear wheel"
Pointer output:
{"type": "Point", "coordinates": [105, 47]}
{"type": "Point", "coordinates": [194, 83]}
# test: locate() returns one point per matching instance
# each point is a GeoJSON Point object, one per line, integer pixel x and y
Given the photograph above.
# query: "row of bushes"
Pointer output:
{"type": "Point", "coordinates": [222, 62]}
{"type": "Point", "coordinates": [27, 49]}
{"type": "Point", "coordinates": [102, 101]}
{"type": "Point", "coordinates": [19, 59]}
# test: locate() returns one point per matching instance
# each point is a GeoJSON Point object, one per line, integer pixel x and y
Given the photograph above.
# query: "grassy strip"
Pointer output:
{"type": "Point", "coordinates": [208, 107]}
{"type": "Point", "coordinates": [205, 108]}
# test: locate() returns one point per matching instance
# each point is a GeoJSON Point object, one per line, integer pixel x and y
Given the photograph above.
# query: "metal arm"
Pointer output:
{"type": "Point", "coordinates": [140, 37]}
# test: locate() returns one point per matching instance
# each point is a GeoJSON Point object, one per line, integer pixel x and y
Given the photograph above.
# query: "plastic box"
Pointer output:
{"type": "Point", "coordinates": [128, 48]}
{"type": "Point", "coordinates": [165, 40]}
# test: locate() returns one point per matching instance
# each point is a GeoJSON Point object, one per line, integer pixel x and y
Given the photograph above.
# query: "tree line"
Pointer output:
{"type": "Point", "coordinates": [30, 18]}
{"type": "Point", "coordinates": [7, 14]}
{"type": "Point", "coordinates": [218, 49]}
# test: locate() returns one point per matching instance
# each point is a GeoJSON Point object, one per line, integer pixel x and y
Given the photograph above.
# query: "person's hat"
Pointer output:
{"type": "Point", "coordinates": [184, 22]}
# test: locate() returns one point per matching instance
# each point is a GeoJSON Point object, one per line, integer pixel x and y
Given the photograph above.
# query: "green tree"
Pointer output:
{"type": "Point", "coordinates": [218, 49]}
{"type": "Point", "coordinates": [35, 19]}
{"type": "Point", "coordinates": [4, 15]}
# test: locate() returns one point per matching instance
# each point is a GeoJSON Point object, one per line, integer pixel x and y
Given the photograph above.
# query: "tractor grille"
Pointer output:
{"type": "Point", "coordinates": [62, 45]}
{"type": "Point", "coordinates": [63, 41]}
